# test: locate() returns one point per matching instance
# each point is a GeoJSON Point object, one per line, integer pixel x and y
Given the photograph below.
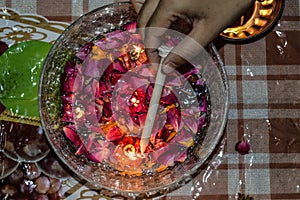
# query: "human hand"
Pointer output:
{"type": "Point", "coordinates": [205, 18]}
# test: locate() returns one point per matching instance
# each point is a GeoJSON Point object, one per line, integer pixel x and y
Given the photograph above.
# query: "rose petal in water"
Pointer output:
{"type": "Point", "coordinates": [67, 113]}
{"type": "Point", "coordinates": [71, 134]}
{"type": "Point", "coordinates": [119, 67]}
{"type": "Point", "coordinates": [68, 84]}
{"type": "Point", "coordinates": [70, 68]}
{"type": "Point", "coordinates": [168, 99]}
{"type": "Point", "coordinates": [97, 150]}
{"type": "Point", "coordinates": [174, 118]}
{"type": "Point", "coordinates": [107, 109]}
{"type": "Point", "coordinates": [202, 121]}
{"type": "Point", "coordinates": [191, 123]}
{"type": "Point", "coordinates": [169, 154]}
{"type": "Point", "coordinates": [203, 106]}
{"type": "Point", "coordinates": [115, 76]}
{"type": "Point", "coordinates": [113, 40]}
{"type": "Point", "coordinates": [82, 54]}
{"type": "Point", "coordinates": [184, 137]}
{"type": "Point", "coordinates": [114, 134]}
{"type": "Point", "coordinates": [99, 156]}
{"type": "Point", "coordinates": [131, 27]}
{"type": "Point", "coordinates": [94, 68]}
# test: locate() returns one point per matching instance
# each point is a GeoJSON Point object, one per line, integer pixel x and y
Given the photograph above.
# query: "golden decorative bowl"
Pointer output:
{"type": "Point", "coordinates": [258, 20]}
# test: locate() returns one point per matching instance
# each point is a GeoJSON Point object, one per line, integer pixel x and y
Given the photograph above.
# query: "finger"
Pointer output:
{"type": "Point", "coordinates": [137, 4]}
{"type": "Point", "coordinates": [152, 42]}
{"type": "Point", "coordinates": [203, 32]}
{"type": "Point", "coordinates": [191, 46]}
{"type": "Point", "coordinates": [146, 12]}
{"type": "Point", "coordinates": [157, 25]}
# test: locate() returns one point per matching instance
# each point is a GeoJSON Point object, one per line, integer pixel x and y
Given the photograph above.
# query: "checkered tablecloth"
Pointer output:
{"type": "Point", "coordinates": [264, 78]}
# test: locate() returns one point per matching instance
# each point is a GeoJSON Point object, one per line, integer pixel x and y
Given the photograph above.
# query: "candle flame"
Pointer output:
{"type": "Point", "coordinates": [135, 52]}
{"type": "Point", "coordinates": [129, 151]}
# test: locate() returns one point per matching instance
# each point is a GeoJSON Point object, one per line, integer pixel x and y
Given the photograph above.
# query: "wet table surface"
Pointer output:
{"type": "Point", "coordinates": [264, 78]}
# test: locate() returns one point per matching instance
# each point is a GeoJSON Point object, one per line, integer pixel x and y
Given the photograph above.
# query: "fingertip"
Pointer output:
{"type": "Point", "coordinates": [137, 5]}
{"type": "Point", "coordinates": [172, 62]}
{"type": "Point", "coordinates": [146, 11]}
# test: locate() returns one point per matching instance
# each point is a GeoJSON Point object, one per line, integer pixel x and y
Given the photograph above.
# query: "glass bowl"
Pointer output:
{"type": "Point", "coordinates": [97, 175]}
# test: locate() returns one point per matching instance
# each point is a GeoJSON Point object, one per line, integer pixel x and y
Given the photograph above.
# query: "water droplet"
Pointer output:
{"type": "Point", "coordinates": [207, 174]}
{"type": "Point", "coordinates": [280, 49]}
{"type": "Point", "coordinates": [269, 124]}
{"type": "Point", "coordinates": [250, 73]}
{"type": "Point", "coordinates": [276, 140]}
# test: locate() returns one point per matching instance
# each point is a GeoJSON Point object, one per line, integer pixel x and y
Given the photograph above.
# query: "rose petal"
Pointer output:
{"type": "Point", "coordinates": [131, 27]}
{"type": "Point", "coordinates": [243, 147]}
{"type": "Point", "coordinates": [202, 121]}
{"type": "Point", "coordinates": [119, 67]}
{"type": "Point", "coordinates": [149, 92]}
{"type": "Point", "coordinates": [114, 134]}
{"type": "Point", "coordinates": [191, 123]}
{"type": "Point", "coordinates": [107, 109]}
{"type": "Point", "coordinates": [90, 142]}
{"type": "Point", "coordinates": [182, 156]}
{"type": "Point", "coordinates": [93, 68]}
{"type": "Point", "coordinates": [115, 77]}
{"type": "Point", "coordinates": [146, 72]}
{"type": "Point", "coordinates": [112, 40]}
{"type": "Point", "coordinates": [184, 138]}
{"type": "Point", "coordinates": [100, 155]}
{"type": "Point", "coordinates": [170, 153]}
{"type": "Point", "coordinates": [68, 84]}
{"type": "Point", "coordinates": [67, 113]}
{"type": "Point", "coordinates": [174, 118]}
{"type": "Point", "coordinates": [194, 71]}
{"type": "Point", "coordinates": [81, 150]}
{"type": "Point", "coordinates": [82, 54]}
{"type": "Point", "coordinates": [203, 106]}
{"type": "Point", "coordinates": [70, 68]}
{"type": "Point", "coordinates": [68, 98]}
{"type": "Point", "coordinates": [168, 99]}
{"type": "Point", "coordinates": [72, 135]}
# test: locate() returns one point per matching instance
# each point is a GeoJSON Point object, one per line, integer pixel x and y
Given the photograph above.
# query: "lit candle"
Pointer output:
{"type": "Point", "coordinates": [154, 102]}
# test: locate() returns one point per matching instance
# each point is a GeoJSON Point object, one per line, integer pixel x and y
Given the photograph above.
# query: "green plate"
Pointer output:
{"type": "Point", "coordinates": [20, 68]}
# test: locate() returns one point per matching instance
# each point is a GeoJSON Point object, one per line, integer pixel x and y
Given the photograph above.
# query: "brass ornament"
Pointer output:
{"type": "Point", "coordinates": [258, 20]}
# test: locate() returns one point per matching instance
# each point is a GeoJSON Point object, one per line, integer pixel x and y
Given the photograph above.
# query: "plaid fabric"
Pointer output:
{"type": "Point", "coordinates": [264, 81]}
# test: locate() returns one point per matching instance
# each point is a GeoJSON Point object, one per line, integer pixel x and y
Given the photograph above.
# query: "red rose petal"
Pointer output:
{"type": "Point", "coordinates": [131, 27]}
{"type": "Point", "coordinates": [114, 134]}
{"type": "Point", "coordinates": [72, 135]}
